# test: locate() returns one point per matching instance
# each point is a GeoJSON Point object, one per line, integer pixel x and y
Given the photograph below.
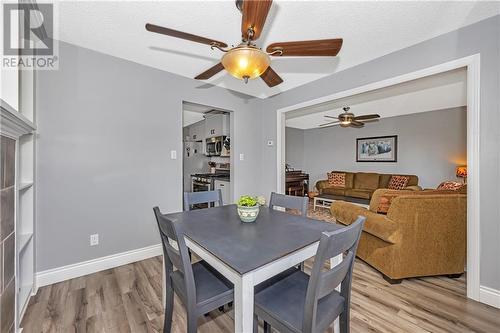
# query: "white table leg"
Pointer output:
{"type": "Point", "coordinates": [314, 203]}
{"type": "Point", "coordinates": [243, 304]}
{"type": "Point", "coordinates": [334, 262]}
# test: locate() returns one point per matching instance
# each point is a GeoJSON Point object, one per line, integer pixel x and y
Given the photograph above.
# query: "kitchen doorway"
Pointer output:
{"type": "Point", "coordinates": [206, 156]}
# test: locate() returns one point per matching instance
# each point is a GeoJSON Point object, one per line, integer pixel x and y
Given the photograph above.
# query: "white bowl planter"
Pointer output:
{"type": "Point", "coordinates": [248, 214]}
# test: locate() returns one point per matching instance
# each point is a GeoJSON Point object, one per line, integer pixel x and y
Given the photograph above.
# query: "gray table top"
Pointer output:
{"type": "Point", "coordinates": [247, 246]}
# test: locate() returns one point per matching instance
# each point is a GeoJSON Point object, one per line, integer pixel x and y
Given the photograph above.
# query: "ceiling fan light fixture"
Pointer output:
{"type": "Point", "coordinates": [246, 62]}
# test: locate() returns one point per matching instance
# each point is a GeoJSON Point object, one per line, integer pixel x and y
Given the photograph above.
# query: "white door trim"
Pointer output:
{"type": "Point", "coordinates": [472, 64]}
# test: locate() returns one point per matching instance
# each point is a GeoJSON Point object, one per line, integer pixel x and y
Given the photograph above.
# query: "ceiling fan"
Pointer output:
{"type": "Point", "coordinates": [247, 61]}
{"type": "Point", "coordinates": [348, 119]}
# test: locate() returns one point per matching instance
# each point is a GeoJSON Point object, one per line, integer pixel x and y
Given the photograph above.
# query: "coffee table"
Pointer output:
{"type": "Point", "coordinates": [325, 200]}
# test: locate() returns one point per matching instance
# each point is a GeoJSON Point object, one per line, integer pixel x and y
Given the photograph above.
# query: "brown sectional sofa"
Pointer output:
{"type": "Point", "coordinates": [422, 234]}
{"type": "Point", "coordinates": [361, 185]}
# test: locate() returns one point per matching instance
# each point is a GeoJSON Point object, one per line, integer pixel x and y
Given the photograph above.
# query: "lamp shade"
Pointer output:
{"type": "Point", "coordinates": [461, 172]}
{"type": "Point", "coordinates": [245, 62]}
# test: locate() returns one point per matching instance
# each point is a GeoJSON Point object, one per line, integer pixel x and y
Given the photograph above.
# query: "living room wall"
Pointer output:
{"type": "Point", "coordinates": [430, 145]}
{"type": "Point", "coordinates": [294, 149]}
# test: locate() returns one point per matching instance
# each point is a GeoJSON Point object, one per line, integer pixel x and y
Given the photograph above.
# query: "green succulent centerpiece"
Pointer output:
{"type": "Point", "coordinates": [249, 207]}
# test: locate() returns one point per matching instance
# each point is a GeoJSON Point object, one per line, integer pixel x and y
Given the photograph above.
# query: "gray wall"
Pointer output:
{"type": "Point", "coordinates": [430, 145]}
{"type": "Point", "coordinates": [106, 127]}
{"type": "Point", "coordinates": [483, 38]}
{"type": "Point", "coordinates": [294, 153]}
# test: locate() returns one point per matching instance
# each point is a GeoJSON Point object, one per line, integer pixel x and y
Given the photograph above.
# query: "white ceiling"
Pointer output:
{"type": "Point", "coordinates": [193, 113]}
{"type": "Point", "coordinates": [370, 30]}
{"type": "Point", "coordinates": [432, 93]}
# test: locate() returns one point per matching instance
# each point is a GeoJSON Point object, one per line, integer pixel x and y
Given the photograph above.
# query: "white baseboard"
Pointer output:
{"type": "Point", "coordinates": [489, 296]}
{"type": "Point", "coordinates": [63, 273]}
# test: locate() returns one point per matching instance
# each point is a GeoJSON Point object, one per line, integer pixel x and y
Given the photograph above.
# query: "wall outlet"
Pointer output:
{"type": "Point", "coordinates": [94, 239]}
{"type": "Point", "coordinates": [173, 154]}
{"type": "Point", "coordinates": [242, 157]}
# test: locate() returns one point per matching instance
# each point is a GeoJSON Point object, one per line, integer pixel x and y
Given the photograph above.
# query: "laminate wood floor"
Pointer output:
{"type": "Point", "coordinates": [128, 299]}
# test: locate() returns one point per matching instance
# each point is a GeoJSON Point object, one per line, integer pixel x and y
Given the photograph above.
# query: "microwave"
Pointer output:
{"type": "Point", "coordinates": [217, 146]}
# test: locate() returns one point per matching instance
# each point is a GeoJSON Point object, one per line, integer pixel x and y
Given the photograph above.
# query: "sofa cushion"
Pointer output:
{"type": "Point", "coordinates": [377, 225]}
{"type": "Point", "coordinates": [385, 178]}
{"type": "Point", "coordinates": [334, 190]}
{"type": "Point", "coordinates": [364, 180]}
{"type": "Point", "coordinates": [359, 193]}
{"type": "Point", "coordinates": [382, 192]}
{"type": "Point", "coordinates": [336, 179]}
{"type": "Point", "coordinates": [450, 185]}
{"type": "Point", "coordinates": [398, 182]}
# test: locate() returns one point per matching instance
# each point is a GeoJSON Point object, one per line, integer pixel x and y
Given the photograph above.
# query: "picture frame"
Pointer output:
{"type": "Point", "coordinates": [377, 149]}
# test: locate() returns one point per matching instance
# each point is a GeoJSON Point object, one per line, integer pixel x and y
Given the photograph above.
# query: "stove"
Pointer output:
{"type": "Point", "coordinates": [205, 181]}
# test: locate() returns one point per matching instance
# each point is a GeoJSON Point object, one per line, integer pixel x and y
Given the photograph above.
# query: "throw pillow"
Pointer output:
{"type": "Point", "coordinates": [384, 204]}
{"type": "Point", "coordinates": [450, 186]}
{"type": "Point", "coordinates": [336, 179]}
{"type": "Point", "coordinates": [398, 182]}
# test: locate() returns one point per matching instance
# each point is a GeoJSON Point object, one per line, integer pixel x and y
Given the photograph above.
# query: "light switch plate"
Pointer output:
{"type": "Point", "coordinates": [173, 154]}
{"type": "Point", "coordinates": [242, 157]}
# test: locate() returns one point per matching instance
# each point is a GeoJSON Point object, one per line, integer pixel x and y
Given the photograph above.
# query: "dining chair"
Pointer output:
{"type": "Point", "coordinates": [194, 198]}
{"type": "Point", "coordinates": [290, 202]}
{"type": "Point", "coordinates": [303, 303]}
{"type": "Point", "coordinates": [200, 288]}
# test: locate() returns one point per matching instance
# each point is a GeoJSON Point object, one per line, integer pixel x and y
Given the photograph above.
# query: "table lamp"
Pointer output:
{"type": "Point", "coordinates": [462, 173]}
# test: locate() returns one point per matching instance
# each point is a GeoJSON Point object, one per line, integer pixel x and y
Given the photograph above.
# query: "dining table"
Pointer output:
{"type": "Point", "coordinates": [252, 252]}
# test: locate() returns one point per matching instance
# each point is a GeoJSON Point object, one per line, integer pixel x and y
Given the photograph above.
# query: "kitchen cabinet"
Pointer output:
{"type": "Point", "coordinates": [197, 131]}
{"type": "Point", "coordinates": [223, 185]}
{"type": "Point", "coordinates": [216, 125]}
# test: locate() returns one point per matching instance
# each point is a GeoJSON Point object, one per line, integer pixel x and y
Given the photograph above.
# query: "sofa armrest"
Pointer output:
{"type": "Point", "coordinates": [321, 184]}
{"type": "Point", "coordinates": [377, 225]}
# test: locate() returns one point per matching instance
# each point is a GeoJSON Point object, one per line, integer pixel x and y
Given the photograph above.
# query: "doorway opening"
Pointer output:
{"type": "Point", "coordinates": [471, 65]}
{"type": "Point", "coordinates": [206, 157]}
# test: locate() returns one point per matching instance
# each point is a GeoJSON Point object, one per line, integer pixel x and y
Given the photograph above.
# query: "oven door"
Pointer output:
{"type": "Point", "coordinates": [200, 186]}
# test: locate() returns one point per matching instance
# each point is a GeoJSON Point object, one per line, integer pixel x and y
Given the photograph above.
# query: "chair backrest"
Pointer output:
{"type": "Point", "coordinates": [321, 284]}
{"type": "Point", "coordinates": [290, 202]}
{"type": "Point", "coordinates": [194, 198]}
{"type": "Point", "coordinates": [175, 252]}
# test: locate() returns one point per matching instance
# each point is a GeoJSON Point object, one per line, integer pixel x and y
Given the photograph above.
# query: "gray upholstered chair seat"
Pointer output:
{"type": "Point", "coordinates": [211, 287]}
{"type": "Point", "coordinates": [283, 304]}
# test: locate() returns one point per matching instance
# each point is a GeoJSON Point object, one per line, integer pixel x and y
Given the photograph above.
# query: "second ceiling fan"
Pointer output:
{"type": "Point", "coordinates": [247, 61]}
{"type": "Point", "coordinates": [348, 119]}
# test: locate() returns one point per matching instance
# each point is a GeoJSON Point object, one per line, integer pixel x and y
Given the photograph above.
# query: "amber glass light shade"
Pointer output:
{"type": "Point", "coordinates": [245, 62]}
{"type": "Point", "coordinates": [461, 172]}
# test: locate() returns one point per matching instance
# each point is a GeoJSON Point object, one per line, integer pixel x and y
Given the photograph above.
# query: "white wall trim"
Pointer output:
{"type": "Point", "coordinates": [472, 63]}
{"type": "Point", "coordinates": [490, 296]}
{"type": "Point", "coordinates": [64, 273]}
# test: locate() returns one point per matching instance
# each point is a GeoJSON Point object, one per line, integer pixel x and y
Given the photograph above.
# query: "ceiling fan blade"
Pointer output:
{"type": "Point", "coordinates": [332, 117]}
{"type": "Point", "coordinates": [254, 16]}
{"type": "Point", "coordinates": [320, 47]}
{"type": "Point", "coordinates": [367, 117]}
{"type": "Point", "coordinates": [210, 72]}
{"type": "Point", "coordinates": [356, 124]}
{"type": "Point", "coordinates": [270, 77]}
{"type": "Point", "coordinates": [183, 35]}
{"type": "Point", "coordinates": [329, 124]}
